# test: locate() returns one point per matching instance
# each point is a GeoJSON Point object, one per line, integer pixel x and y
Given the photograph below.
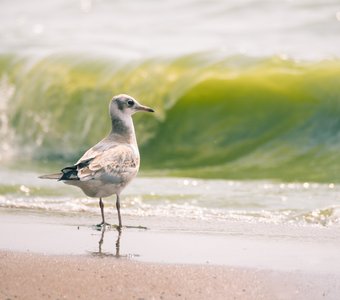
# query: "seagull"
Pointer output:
{"type": "Point", "coordinates": [108, 167]}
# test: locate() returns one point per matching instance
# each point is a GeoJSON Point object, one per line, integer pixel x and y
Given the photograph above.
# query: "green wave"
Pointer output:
{"type": "Point", "coordinates": [237, 117]}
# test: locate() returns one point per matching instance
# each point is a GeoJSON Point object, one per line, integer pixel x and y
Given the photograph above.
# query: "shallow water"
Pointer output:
{"type": "Point", "coordinates": [183, 198]}
{"type": "Point", "coordinates": [252, 224]}
{"type": "Point", "coordinates": [275, 247]}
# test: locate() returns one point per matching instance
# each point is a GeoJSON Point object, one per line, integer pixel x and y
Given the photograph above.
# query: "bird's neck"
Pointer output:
{"type": "Point", "coordinates": [123, 130]}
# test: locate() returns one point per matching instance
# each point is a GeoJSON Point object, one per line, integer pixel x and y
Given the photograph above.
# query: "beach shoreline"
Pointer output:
{"type": "Point", "coordinates": [266, 246]}
{"type": "Point", "coordinates": [62, 257]}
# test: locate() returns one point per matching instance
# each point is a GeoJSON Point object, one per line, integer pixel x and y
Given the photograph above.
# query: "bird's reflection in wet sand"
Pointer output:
{"type": "Point", "coordinates": [100, 251]}
{"type": "Point", "coordinates": [115, 253]}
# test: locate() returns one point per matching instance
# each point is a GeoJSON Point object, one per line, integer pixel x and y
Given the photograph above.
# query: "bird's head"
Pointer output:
{"type": "Point", "coordinates": [126, 105]}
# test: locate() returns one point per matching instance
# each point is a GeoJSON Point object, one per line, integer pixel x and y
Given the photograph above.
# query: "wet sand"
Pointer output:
{"type": "Point", "coordinates": [61, 257]}
{"type": "Point", "coordinates": [33, 276]}
{"type": "Point", "coordinates": [238, 244]}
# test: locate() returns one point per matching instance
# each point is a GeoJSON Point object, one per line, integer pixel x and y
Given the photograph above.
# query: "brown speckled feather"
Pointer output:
{"type": "Point", "coordinates": [114, 164]}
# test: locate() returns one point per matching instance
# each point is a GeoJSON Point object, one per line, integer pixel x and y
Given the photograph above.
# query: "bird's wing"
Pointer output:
{"type": "Point", "coordinates": [113, 165]}
{"type": "Point", "coordinates": [100, 147]}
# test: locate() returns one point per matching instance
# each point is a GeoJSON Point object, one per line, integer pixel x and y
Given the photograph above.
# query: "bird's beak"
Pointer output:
{"type": "Point", "coordinates": [144, 108]}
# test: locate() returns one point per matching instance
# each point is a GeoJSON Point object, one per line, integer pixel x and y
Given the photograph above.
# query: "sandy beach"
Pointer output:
{"type": "Point", "coordinates": [59, 257]}
{"type": "Point", "coordinates": [32, 276]}
{"type": "Point", "coordinates": [27, 276]}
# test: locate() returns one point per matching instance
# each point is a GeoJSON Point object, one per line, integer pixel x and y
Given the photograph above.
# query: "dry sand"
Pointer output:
{"type": "Point", "coordinates": [35, 276]}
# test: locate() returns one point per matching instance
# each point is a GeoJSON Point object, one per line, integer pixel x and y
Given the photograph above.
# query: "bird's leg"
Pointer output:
{"type": "Point", "coordinates": [101, 241]}
{"type": "Point", "coordinates": [101, 205]}
{"type": "Point", "coordinates": [118, 242]}
{"type": "Point", "coordinates": [118, 210]}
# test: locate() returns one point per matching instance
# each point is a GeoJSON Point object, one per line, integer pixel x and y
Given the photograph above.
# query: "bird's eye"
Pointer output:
{"type": "Point", "coordinates": [130, 103]}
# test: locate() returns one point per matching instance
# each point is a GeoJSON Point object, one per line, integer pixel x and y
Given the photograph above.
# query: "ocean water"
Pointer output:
{"type": "Point", "coordinates": [246, 93]}
{"type": "Point", "coordinates": [151, 28]}
{"type": "Point", "coordinates": [181, 200]}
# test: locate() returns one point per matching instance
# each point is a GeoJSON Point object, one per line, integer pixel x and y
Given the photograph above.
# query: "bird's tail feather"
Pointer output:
{"type": "Point", "coordinates": [55, 176]}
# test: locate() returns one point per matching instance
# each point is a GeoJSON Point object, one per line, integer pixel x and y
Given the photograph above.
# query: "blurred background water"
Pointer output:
{"type": "Point", "coordinates": [247, 91]}
{"type": "Point", "coordinates": [149, 28]}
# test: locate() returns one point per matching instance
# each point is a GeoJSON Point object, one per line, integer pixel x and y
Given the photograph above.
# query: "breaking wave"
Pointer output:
{"type": "Point", "coordinates": [236, 117]}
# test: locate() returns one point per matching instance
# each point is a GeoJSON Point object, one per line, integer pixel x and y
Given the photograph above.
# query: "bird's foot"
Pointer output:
{"type": "Point", "coordinates": [102, 225]}
{"type": "Point", "coordinates": [120, 227]}
{"type": "Point", "coordinates": [137, 227]}
{"type": "Point", "coordinates": [117, 227]}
